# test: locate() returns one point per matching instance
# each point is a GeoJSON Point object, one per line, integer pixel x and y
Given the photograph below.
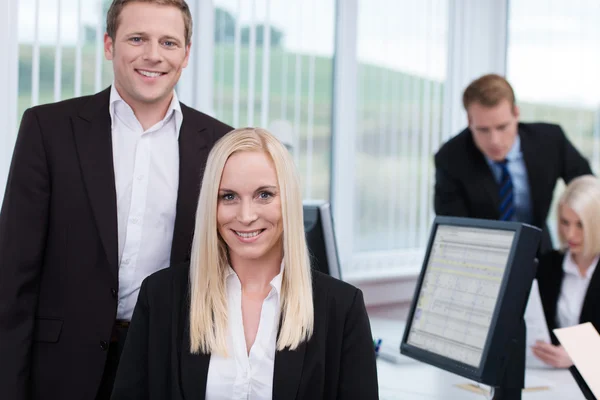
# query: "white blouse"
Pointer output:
{"type": "Point", "coordinates": [572, 292]}
{"type": "Point", "coordinates": [243, 375]}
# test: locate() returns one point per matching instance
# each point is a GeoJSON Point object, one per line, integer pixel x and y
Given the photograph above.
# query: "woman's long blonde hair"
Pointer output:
{"type": "Point", "coordinates": [208, 297]}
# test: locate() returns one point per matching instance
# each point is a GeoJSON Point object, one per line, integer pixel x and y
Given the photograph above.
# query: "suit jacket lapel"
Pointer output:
{"type": "Point", "coordinates": [287, 372]}
{"type": "Point", "coordinates": [484, 175]}
{"type": "Point", "coordinates": [534, 167]}
{"type": "Point", "coordinates": [92, 131]}
{"type": "Point", "coordinates": [591, 296]}
{"type": "Point", "coordinates": [193, 150]}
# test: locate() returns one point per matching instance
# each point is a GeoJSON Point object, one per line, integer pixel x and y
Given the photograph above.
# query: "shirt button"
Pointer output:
{"type": "Point", "coordinates": [134, 220]}
{"type": "Point", "coordinates": [140, 177]}
{"type": "Point", "coordinates": [104, 345]}
{"type": "Point", "coordinates": [114, 293]}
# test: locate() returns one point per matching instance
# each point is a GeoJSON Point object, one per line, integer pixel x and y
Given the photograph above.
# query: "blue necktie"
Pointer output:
{"type": "Point", "coordinates": [507, 208]}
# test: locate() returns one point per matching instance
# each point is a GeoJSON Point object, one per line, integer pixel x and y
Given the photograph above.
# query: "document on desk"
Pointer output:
{"type": "Point", "coordinates": [537, 328]}
{"type": "Point", "coordinates": [582, 343]}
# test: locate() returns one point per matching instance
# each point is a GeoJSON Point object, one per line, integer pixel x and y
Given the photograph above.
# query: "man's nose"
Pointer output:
{"type": "Point", "coordinates": [152, 52]}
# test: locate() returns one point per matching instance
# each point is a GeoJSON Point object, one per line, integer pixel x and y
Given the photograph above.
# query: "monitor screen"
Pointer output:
{"type": "Point", "coordinates": [460, 291]}
{"type": "Point", "coordinates": [320, 238]}
{"type": "Point", "coordinates": [471, 295]}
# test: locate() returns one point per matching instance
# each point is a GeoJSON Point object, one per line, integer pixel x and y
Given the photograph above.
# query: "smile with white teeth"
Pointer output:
{"type": "Point", "coordinates": [149, 73]}
{"type": "Point", "coordinates": [248, 235]}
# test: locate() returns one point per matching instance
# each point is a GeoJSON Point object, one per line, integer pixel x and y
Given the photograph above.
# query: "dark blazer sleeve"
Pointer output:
{"type": "Point", "coordinates": [358, 370]}
{"type": "Point", "coordinates": [23, 225]}
{"type": "Point", "coordinates": [448, 198]}
{"type": "Point", "coordinates": [574, 164]}
{"type": "Point", "coordinates": [131, 382]}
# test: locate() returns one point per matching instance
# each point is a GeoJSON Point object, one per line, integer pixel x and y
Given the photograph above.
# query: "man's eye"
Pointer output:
{"type": "Point", "coordinates": [136, 39]}
{"type": "Point", "coordinates": [169, 43]}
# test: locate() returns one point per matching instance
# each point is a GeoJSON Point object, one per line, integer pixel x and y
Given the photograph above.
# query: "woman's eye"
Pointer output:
{"type": "Point", "coordinates": [228, 196]}
{"type": "Point", "coordinates": [265, 195]}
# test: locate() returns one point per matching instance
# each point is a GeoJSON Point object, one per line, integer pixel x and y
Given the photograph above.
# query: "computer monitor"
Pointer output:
{"type": "Point", "coordinates": [320, 238]}
{"type": "Point", "coordinates": [467, 311]}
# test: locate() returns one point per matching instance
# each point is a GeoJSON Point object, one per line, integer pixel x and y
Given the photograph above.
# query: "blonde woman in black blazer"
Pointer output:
{"type": "Point", "coordinates": [569, 279]}
{"type": "Point", "coordinates": [249, 254]}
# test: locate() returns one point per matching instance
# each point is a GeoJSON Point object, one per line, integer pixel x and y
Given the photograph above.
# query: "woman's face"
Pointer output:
{"type": "Point", "coordinates": [249, 207]}
{"type": "Point", "coordinates": [571, 229]}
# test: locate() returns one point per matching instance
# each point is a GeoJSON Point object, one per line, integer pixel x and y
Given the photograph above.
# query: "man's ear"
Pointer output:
{"type": "Point", "coordinates": [108, 47]}
{"type": "Point", "coordinates": [516, 111]}
{"type": "Point", "coordinates": [188, 47]}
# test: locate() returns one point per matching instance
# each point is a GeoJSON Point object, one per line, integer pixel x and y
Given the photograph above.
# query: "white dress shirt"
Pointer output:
{"type": "Point", "coordinates": [146, 165]}
{"type": "Point", "coordinates": [243, 376]}
{"type": "Point", "coordinates": [572, 292]}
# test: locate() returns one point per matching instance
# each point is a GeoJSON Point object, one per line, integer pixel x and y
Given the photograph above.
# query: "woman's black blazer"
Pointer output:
{"type": "Point", "coordinates": [338, 362]}
{"type": "Point", "coordinates": [550, 275]}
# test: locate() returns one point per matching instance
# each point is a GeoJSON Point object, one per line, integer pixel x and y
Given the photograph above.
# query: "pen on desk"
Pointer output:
{"type": "Point", "coordinates": [377, 345]}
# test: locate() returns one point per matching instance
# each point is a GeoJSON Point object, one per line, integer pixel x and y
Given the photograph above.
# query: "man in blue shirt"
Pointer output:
{"type": "Point", "coordinates": [499, 168]}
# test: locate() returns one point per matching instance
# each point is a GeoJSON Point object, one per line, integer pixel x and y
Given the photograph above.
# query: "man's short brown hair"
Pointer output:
{"type": "Point", "coordinates": [489, 91]}
{"type": "Point", "coordinates": [112, 16]}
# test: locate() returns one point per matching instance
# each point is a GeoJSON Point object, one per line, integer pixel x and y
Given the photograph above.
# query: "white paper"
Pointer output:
{"type": "Point", "coordinates": [582, 343]}
{"type": "Point", "coordinates": [537, 329]}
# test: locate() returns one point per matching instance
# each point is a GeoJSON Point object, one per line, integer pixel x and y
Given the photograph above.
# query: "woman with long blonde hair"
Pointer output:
{"type": "Point", "coordinates": [569, 279]}
{"type": "Point", "coordinates": [247, 317]}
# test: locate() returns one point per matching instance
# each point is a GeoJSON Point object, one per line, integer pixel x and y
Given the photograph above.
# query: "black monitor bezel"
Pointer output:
{"type": "Point", "coordinates": [446, 363]}
{"type": "Point", "coordinates": [325, 220]}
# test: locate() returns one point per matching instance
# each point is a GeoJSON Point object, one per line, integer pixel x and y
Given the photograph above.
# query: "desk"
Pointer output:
{"type": "Point", "coordinates": [413, 380]}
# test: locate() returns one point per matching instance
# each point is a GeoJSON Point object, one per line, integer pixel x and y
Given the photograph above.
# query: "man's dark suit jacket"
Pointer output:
{"type": "Point", "coordinates": [550, 275]}
{"type": "Point", "coordinates": [465, 185]}
{"type": "Point", "coordinates": [338, 362]}
{"type": "Point", "coordinates": [58, 244]}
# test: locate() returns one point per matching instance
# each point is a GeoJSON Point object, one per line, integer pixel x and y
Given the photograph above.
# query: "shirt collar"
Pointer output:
{"type": "Point", "coordinates": [174, 108]}
{"type": "Point", "coordinates": [275, 283]}
{"type": "Point", "coordinates": [513, 154]}
{"type": "Point", "coordinates": [570, 267]}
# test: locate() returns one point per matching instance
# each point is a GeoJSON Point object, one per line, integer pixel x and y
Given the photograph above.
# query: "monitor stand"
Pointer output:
{"type": "Point", "coordinates": [513, 381]}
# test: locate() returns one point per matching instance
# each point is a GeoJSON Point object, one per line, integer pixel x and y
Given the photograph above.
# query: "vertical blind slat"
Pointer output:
{"type": "Point", "coordinates": [99, 49]}
{"type": "Point", "coordinates": [58, 55]}
{"type": "Point", "coordinates": [78, 52]}
{"type": "Point", "coordinates": [236, 67]}
{"type": "Point", "coordinates": [266, 63]}
{"type": "Point", "coordinates": [35, 58]}
{"type": "Point", "coordinates": [252, 65]}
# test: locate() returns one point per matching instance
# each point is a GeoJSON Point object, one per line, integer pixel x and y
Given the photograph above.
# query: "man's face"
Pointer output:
{"type": "Point", "coordinates": [494, 128]}
{"type": "Point", "coordinates": [148, 53]}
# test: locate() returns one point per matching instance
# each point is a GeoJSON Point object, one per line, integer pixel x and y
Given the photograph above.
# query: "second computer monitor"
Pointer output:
{"type": "Point", "coordinates": [471, 295]}
{"type": "Point", "coordinates": [320, 238]}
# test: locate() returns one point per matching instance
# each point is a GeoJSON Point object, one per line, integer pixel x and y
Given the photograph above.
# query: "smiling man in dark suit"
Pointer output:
{"type": "Point", "coordinates": [102, 192]}
{"type": "Point", "coordinates": [499, 168]}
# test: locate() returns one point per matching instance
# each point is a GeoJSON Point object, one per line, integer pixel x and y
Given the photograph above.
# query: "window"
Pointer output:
{"type": "Point", "coordinates": [61, 50]}
{"type": "Point", "coordinates": [553, 64]}
{"type": "Point", "coordinates": [273, 69]}
{"type": "Point", "coordinates": [401, 74]}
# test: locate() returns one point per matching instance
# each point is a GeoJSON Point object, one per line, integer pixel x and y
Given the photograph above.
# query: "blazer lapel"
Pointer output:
{"type": "Point", "coordinates": [483, 176]}
{"type": "Point", "coordinates": [287, 372]}
{"type": "Point", "coordinates": [193, 368]}
{"type": "Point", "coordinates": [92, 131]}
{"type": "Point", "coordinates": [591, 297]}
{"type": "Point", "coordinates": [534, 167]}
{"type": "Point", "coordinates": [193, 151]}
